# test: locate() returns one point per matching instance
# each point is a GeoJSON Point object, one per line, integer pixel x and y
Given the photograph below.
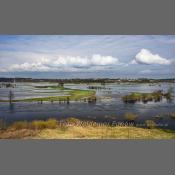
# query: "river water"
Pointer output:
{"type": "Point", "coordinates": [109, 105]}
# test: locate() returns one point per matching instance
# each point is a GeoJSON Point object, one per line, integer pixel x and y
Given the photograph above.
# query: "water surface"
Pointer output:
{"type": "Point", "coordinates": [109, 106]}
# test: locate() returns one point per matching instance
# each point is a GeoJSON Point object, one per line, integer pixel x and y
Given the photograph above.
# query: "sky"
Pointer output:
{"type": "Point", "coordinates": [87, 56]}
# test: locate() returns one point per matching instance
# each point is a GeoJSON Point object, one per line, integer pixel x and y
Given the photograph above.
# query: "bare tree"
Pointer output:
{"type": "Point", "coordinates": [11, 96]}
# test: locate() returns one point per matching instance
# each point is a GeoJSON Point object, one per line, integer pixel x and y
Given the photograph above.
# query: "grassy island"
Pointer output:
{"type": "Point", "coordinates": [72, 95]}
{"type": "Point", "coordinates": [146, 97]}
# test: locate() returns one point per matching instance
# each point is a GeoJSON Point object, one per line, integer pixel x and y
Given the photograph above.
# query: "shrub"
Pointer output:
{"type": "Point", "coordinates": [36, 124]}
{"type": "Point", "coordinates": [172, 115]}
{"type": "Point", "coordinates": [150, 124]}
{"type": "Point", "coordinates": [144, 97]}
{"type": "Point", "coordinates": [72, 120]}
{"type": "Point", "coordinates": [51, 123]}
{"type": "Point", "coordinates": [39, 124]}
{"type": "Point", "coordinates": [168, 95]}
{"type": "Point", "coordinates": [1, 124]}
{"type": "Point", "coordinates": [130, 116]}
{"type": "Point", "coordinates": [20, 125]}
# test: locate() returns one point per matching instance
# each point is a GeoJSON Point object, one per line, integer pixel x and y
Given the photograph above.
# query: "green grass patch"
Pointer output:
{"type": "Point", "coordinates": [73, 95]}
{"type": "Point", "coordinates": [145, 97]}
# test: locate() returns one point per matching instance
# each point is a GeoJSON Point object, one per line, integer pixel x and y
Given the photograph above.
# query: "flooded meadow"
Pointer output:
{"type": "Point", "coordinates": [107, 107]}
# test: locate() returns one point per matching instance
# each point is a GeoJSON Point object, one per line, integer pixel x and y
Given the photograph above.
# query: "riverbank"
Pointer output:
{"type": "Point", "coordinates": [77, 129]}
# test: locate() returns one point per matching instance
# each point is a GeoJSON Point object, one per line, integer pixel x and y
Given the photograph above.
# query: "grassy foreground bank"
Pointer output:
{"type": "Point", "coordinates": [76, 129]}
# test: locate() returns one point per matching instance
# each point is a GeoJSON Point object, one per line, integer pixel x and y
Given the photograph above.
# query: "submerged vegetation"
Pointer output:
{"type": "Point", "coordinates": [52, 87]}
{"type": "Point", "coordinates": [172, 115]}
{"type": "Point", "coordinates": [73, 95]}
{"type": "Point", "coordinates": [159, 117]}
{"type": "Point", "coordinates": [146, 97]}
{"type": "Point", "coordinates": [74, 128]}
{"type": "Point", "coordinates": [7, 85]}
{"type": "Point", "coordinates": [150, 124]}
{"type": "Point", "coordinates": [130, 116]}
{"type": "Point", "coordinates": [98, 87]}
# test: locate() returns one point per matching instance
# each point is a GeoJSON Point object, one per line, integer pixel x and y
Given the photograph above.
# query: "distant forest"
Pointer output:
{"type": "Point", "coordinates": [90, 80]}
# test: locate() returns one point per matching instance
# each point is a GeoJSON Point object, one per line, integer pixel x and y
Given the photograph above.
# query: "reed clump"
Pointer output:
{"type": "Point", "coordinates": [172, 115]}
{"type": "Point", "coordinates": [146, 97]}
{"type": "Point", "coordinates": [72, 121]}
{"type": "Point", "coordinates": [150, 124]}
{"type": "Point", "coordinates": [36, 124]}
{"type": "Point", "coordinates": [130, 116]}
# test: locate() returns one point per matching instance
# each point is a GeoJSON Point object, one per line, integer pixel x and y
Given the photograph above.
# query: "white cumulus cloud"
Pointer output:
{"type": "Point", "coordinates": [64, 63]}
{"type": "Point", "coordinates": [146, 57]}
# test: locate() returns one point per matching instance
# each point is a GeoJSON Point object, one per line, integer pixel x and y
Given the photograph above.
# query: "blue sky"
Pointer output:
{"type": "Point", "coordinates": [87, 56]}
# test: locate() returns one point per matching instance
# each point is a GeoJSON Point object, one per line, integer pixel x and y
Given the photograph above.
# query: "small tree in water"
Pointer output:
{"type": "Point", "coordinates": [11, 96]}
{"type": "Point", "coordinates": [168, 95]}
{"type": "Point", "coordinates": [61, 84]}
{"type": "Point", "coordinates": [68, 100]}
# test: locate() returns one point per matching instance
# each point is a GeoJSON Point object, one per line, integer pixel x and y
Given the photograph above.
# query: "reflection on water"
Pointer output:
{"type": "Point", "coordinates": [108, 106]}
{"type": "Point", "coordinates": [11, 107]}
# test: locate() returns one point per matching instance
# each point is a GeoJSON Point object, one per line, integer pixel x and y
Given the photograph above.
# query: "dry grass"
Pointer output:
{"type": "Point", "coordinates": [36, 124]}
{"type": "Point", "coordinates": [17, 134]}
{"type": "Point", "coordinates": [19, 125]}
{"type": "Point", "coordinates": [77, 129]}
{"type": "Point", "coordinates": [39, 124]}
{"type": "Point", "coordinates": [105, 132]}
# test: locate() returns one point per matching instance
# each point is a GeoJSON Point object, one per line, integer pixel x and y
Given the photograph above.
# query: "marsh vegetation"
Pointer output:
{"type": "Point", "coordinates": [130, 117]}
{"type": "Point", "coordinates": [155, 96]}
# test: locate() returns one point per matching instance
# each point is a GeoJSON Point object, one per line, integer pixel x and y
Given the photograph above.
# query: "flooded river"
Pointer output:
{"type": "Point", "coordinates": [109, 105]}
